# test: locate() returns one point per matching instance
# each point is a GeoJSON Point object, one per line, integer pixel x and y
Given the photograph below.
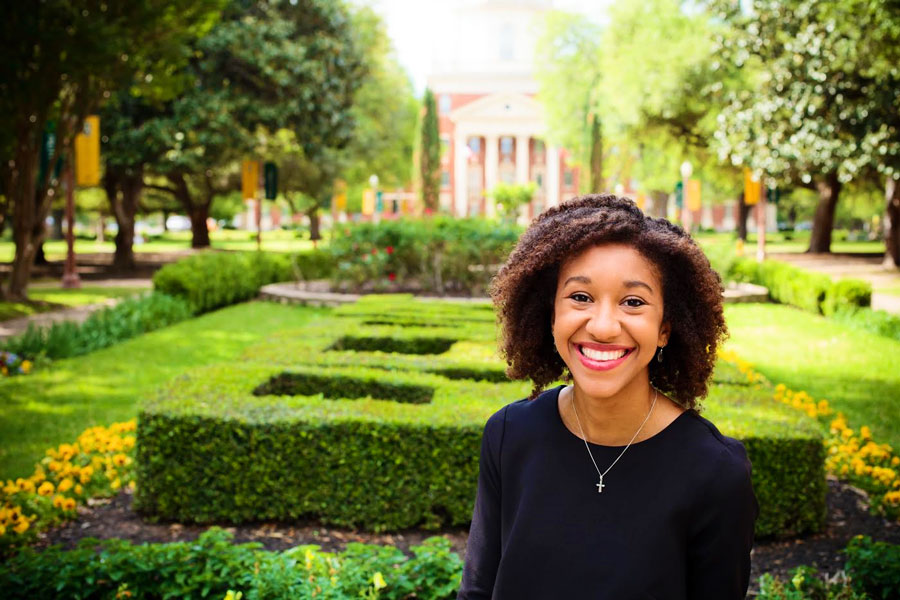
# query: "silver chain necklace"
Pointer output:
{"type": "Point", "coordinates": [601, 485]}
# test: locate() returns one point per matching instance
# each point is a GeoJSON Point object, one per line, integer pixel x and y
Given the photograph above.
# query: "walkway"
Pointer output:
{"type": "Point", "coordinates": [19, 325]}
{"type": "Point", "coordinates": [863, 266]}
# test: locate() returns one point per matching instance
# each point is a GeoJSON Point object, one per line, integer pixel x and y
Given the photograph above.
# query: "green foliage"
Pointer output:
{"type": "Point", "coordinates": [847, 294]}
{"type": "Point", "coordinates": [102, 328]}
{"type": "Point", "coordinates": [209, 449]}
{"type": "Point", "coordinates": [210, 280]}
{"type": "Point", "coordinates": [430, 157]}
{"type": "Point", "coordinates": [874, 567]}
{"type": "Point", "coordinates": [336, 386]}
{"type": "Point", "coordinates": [806, 584]}
{"type": "Point", "coordinates": [434, 255]}
{"type": "Point", "coordinates": [813, 292]}
{"type": "Point", "coordinates": [212, 565]}
{"type": "Point", "coordinates": [510, 197]}
{"type": "Point", "coordinates": [879, 322]}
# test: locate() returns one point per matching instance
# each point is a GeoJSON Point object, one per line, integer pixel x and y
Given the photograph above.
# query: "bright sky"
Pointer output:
{"type": "Point", "coordinates": [415, 26]}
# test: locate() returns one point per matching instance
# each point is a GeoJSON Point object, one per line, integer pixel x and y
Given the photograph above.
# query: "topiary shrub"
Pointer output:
{"type": "Point", "coordinates": [847, 294]}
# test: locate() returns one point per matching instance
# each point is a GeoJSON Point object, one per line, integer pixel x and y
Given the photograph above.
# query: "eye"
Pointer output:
{"type": "Point", "coordinates": [580, 297]}
{"type": "Point", "coordinates": [634, 302]}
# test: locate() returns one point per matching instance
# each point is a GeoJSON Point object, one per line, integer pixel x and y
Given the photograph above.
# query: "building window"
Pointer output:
{"type": "Point", "coordinates": [539, 180]}
{"type": "Point", "coordinates": [539, 148]}
{"type": "Point", "coordinates": [445, 146]}
{"type": "Point", "coordinates": [444, 104]}
{"type": "Point", "coordinates": [475, 145]}
{"type": "Point", "coordinates": [445, 178]}
{"type": "Point", "coordinates": [507, 42]}
{"type": "Point", "coordinates": [568, 178]}
{"type": "Point", "coordinates": [506, 147]}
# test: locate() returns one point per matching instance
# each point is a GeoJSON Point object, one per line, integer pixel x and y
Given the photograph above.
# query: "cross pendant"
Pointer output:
{"type": "Point", "coordinates": [600, 486]}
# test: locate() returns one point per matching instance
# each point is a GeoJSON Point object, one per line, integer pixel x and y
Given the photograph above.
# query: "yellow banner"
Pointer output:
{"type": "Point", "coordinates": [87, 153]}
{"type": "Point", "coordinates": [641, 201]}
{"type": "Point", "coordinates": [693, 195]}
{"type": "Point", "coordinates": [752, 188]}
{"type": "Point", "coordinates": [368, 203]}
{"type": "Point", "coordinates": [249, 179]}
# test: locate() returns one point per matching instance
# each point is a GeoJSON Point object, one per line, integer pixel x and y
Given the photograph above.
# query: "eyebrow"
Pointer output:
{"type": "Point", "coordinates": [633, 283]}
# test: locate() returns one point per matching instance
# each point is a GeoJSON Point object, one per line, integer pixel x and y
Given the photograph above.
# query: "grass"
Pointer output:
{"type": "Point", "coordinates": [55, 405]}
{"type": "Point", "coordinates": [58, 298]}
{"type": "Point", "coordinates": [855, 371]}
{"type": "Point", "coordinates": [275, 241]}
{"type": "Point", "coordinates": [795, 242]}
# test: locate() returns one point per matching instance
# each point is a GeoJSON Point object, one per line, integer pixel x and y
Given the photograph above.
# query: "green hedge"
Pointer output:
{"type": "Point", "coordinates": [813, 292]}
{"type": "Point", "coordinates": [208, 449]}
{"type": "Point", "coordinates": [212, 565]}
{"type": "Point", "coordinates": [102, 328]}
{"type": "Point", "coordinates": [211, 280]}
{"type": "Point", "coordinates": [440, 254]}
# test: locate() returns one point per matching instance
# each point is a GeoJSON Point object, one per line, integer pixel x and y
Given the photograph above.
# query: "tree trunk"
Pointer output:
{"type": "Point", "coordinates": [198, 213]}
{"type": "Point", "coordinates": [892, 224]}
{"type": "Point", "coordinates": [829, 189]}
{"type": "Point", "coordinates": [39, 257]}
{"type": "Point", "coordinates": [743, 213]}
{"type": "Point", "coordinates": [314, 233]}
{"type": "Point", "coordinates": [123, 190]}
{"type": "Point", "coordinates": [596, 156]}
{"type": "Point", "coordinates": [58, 215]}
{"type": "Point", "coordinates": [165, 218]}
{"type": "Point", "coordinates": [659, 204]}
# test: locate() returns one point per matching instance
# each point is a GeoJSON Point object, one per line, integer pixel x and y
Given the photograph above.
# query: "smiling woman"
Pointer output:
{"type": "Point", "coordinates": [613, 486]}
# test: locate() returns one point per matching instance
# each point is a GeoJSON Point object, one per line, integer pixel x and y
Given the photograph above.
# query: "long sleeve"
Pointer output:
{"type": "Point", "coordinates": [721, 532]}
{"type": "Point", "coordinates": [483, 547]}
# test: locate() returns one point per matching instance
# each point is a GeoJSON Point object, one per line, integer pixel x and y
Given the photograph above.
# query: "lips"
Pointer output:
{"type": "Point", "coordinates": [602, 357]}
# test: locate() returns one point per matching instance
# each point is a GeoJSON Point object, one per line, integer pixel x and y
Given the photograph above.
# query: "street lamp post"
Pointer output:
{"type": "Point", "coordinates": [687, 169]}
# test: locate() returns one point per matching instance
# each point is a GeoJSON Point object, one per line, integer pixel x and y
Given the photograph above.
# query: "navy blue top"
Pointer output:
{"type": "Point", "coordinates": [674, 521]}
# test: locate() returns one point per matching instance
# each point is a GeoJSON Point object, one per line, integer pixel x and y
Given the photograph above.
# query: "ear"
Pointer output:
{"type": "Point", "coordinates": [665, 330]}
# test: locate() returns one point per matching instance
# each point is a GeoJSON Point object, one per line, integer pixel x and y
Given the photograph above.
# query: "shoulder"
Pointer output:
{"type": "Point", "coordinates": [523, 414]}
{"type": "Point", "coordinates": [721, 461]}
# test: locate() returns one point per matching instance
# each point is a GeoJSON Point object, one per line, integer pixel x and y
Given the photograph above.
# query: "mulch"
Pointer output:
{"type": "Point", "coordinates": [848, 516]}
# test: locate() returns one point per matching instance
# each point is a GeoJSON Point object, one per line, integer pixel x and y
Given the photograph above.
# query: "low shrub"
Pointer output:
{"type": "Point", "coordinates": [335, 386]}
{"type": "Point", "coordinates": [213, 567]}
{"type": "Point", "coordinates": [806, 583]}
{"type": "Point", "coordinates": [210, 450]}
{"type": "Point", "coordinates": [438, 255]}
{"type": "Point", "coordinates": [102, 328]}
{"type": "Point", "coordinates": [211, 280]}
{"type": "Point", "coordinates": [874, 567]}
{"type": "Point", "coordinates": [879, 322]}
{"type": "Point", "coordinates": [813, 292]}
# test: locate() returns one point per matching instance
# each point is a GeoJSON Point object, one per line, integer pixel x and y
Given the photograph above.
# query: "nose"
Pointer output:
{"type": "Point", "coordinates": [603, 324]}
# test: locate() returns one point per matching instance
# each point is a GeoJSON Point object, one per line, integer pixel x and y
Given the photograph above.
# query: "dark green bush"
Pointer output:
{"type": "Point", "coordinates": [337, 386]}
{"type": "Point", "coordinates": [874, 567]}
{"type": "Point", "coordinates": [805, 583]}
{"type": "Point", "coordinates": [419, 345]}
{"type": "Point", "coordinates": [438, 255]}
{"type": "Point", "coordinates": [208, 449]}
{"type": "Point", "coordinates": [102, 328]}
{"type": "Point", "coordinates": [813, 292]}
{"type": "Point", "coordinates": [874, 321]}
{"type": "Point", "coordinates": [211, 280]}
{"type": "Point", "coordinates": [212, 565]}
{"type": "Point", "coordinates": [847, 294]}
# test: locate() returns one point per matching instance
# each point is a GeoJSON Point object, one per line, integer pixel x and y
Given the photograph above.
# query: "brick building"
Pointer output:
{"type": "Point", "coordinates": [491, 125]}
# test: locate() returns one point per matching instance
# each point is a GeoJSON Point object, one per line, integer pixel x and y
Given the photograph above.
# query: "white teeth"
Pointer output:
{"type": "Point", "coordinates": [598, 355]}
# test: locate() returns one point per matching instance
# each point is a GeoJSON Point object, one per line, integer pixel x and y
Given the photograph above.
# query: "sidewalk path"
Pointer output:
{"type": "Point", "coordinates": [19, 325]}
{"type": "Point", "coordinates": [867, 267]}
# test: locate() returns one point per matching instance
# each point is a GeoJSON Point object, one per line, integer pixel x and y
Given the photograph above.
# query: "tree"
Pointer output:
{"type": "Point", "coordinates": [814, 68]}
{"type": "Point", "coordinates": [268, 65]}
{"type": "Point", "coordinates": [60, 60]}
{"type": "Point", "coordinates": [430, 158]}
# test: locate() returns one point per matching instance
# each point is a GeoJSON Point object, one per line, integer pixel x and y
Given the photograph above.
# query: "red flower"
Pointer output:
{"type": "Point", "coordinates": [392, 276]}
{"type": "Point", "coordinates": [374, 250]}
{"type": "Point", "coordinates": [389, 249]}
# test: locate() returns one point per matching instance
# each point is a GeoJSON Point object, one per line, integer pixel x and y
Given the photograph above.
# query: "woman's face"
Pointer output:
{"type": "Point", "coordinates": [608, 318]}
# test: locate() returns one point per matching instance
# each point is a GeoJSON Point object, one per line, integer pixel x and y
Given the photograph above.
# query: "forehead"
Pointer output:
{"type": "Point", "coordinates": [609, 261]}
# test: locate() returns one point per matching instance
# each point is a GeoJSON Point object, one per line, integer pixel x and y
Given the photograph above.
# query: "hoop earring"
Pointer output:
{"type": "Point", "coordinates": [659, 354]}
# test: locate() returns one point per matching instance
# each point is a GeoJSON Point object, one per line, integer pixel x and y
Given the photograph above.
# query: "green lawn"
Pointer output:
{"type": "Point", "coordinates": [276, 241]}
{"type": "Point", "coordinates": [787, 242]}
{"type": "Point", "coordinates": [856, 372]}
{"type": "Point", "coordinates": [54, 298]}
{"type": "Point", "coordinates": [54, 406]}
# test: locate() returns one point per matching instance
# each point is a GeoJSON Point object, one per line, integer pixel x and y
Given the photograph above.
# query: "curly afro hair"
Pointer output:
{"type": "Point", "coordinates": [524, 289]}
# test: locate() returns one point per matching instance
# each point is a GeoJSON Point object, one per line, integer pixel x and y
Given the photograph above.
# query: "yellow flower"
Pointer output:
{"type": "Point", "coordinates": [25, 485]}
{"type": "Point", "coordinates": [58, 501]}
{"type": "Point", "coordinates": [22, 526]}
{"type": "Point", "coordinates": [78, 489]}
{"type": "Point", "coordinates": [2, 529]}
{"type": "Point", "coordinates": [120, 459]}
{"type": "Point", "coordinates": [865, 433]}
{"type": "Point", "coordinates": [65, 485]}
{"type": "Point", "coordinates": [232, 595]}
{"type": "Point", "coordinates": [46, 489]}
{"type": "Point", "coordinates": [378, 580]}
{"type": "Point", "coordinates": [116, 483]}
{"type": "Point", "coordinates": [26, 366]}
{"type": "Point", "coordinates": [69, 504]}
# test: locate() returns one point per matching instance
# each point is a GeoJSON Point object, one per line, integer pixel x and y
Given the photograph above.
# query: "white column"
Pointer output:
{"type": "Point", "coordinates": [491, 161]}
{"type": "Point", "coordinates": [460, 174]}
{"type": "Point", "coordinates": [522, 158]}
{"type": "Point", "coordinates": [552, 175]}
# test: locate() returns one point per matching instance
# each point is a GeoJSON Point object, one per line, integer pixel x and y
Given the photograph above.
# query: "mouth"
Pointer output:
{"type": "Point", "coordinates": [602, 359]}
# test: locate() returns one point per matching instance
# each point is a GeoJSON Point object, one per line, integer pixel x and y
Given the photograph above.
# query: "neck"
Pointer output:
{"type": "Point", "coordinates": [614, 420]}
